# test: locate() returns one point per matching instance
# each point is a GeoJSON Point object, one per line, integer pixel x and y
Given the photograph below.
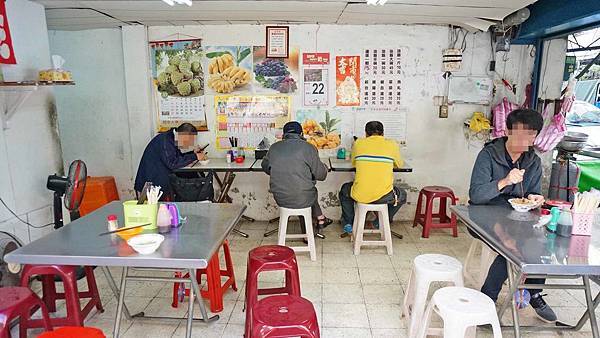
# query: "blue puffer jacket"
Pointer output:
{"type": "Point", "coordinates": [160, 158]}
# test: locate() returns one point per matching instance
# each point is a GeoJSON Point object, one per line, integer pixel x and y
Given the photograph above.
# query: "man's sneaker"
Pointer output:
{"type": "Point", "coordinates": [543, 310]}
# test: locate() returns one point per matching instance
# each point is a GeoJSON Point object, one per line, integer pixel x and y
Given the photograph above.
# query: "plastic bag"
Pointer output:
{"type": "Point", "coordinates": [554, 131]}
{"type": "Point", "coordinates": [500, 112]}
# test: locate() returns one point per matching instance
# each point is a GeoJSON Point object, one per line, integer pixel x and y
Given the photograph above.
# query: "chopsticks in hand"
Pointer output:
{"type": "Point", "coordinates": [123, 229]}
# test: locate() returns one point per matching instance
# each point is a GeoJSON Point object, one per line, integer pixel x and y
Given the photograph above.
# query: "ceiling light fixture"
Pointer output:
{"type": "Point", "coordinates": [376, 2]}
{"type": "Point", "coordinates": [169, 2]}
{"type": "Point", "coordinates": [179, 2]}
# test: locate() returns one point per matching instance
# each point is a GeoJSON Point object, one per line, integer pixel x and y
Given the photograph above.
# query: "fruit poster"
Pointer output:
{"type": "Point", "coordinates": [229, 69]}
{"type": "Point", "coordinates": [347, 80]}
{"type": "Point", "coordinates": [321, 128]}
{"type": "Point", "coordinates": [178, 79]}
{"type": "Point", "coordinates": [273, 76]}
{"type": "Point", "coordinates": [316, 79]}
{"type": "Point", "coordinates": [382, 83]}
{"type": "Point", "coordinates": [250, 118]}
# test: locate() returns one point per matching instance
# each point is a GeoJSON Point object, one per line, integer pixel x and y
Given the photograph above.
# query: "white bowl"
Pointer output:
{"type": "Point", "coordinates": [522, 207]}
{"type": "Point", "coordinates": [205, 162]}
{"type": "Point", "coordinates": [146, 243]}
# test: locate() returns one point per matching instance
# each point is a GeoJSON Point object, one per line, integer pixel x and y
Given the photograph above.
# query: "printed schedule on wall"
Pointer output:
{"type": "Point", "coordinates": [381, 80]}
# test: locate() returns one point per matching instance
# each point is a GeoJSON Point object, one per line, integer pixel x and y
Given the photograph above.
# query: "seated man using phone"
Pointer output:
{"type": "Point", "coordinates": [166, 152]}
{"type": "Point", "coordinates": [506, 168]}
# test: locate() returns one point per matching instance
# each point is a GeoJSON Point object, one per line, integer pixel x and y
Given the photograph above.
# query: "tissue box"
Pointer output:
{"type": "Point", "coordinates": [55, 75]}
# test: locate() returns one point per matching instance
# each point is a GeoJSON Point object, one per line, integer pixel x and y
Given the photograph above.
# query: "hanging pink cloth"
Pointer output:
{"type": "Point", "coordinates": [500, 112]}
{"type": "Point", "coordinates": [554, 131]}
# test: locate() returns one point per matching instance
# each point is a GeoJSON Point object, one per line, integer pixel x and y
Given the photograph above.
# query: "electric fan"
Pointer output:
{"type": "Point", "coordinates": [71, 187]}
{"type": "Point", "coordinates": [9, 273]}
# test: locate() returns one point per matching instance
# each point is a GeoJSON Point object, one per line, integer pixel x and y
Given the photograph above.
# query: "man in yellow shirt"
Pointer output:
{"type": "Point", "coordinates": [374, 158]}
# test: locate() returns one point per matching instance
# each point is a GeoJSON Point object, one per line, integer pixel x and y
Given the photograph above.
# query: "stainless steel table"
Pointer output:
{"type": "Point", "coordinates": [536, 252]}
{"type": "Point", "coordinates": [220, 165]}
{"type": "Point", "coordinates": [188, 247]}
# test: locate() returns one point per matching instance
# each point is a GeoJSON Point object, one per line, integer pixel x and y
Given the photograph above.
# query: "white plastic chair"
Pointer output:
{"type": "Point", "coordinates": [426, 269]}
{"type": "Point", "coordinates": [284, 215]}
{"type": "Point", "coordinates": [461, 308]}
{"type": "Point", "coordinates": [358, 228]}
{"type": "Point", "coordinates": [487, 257]}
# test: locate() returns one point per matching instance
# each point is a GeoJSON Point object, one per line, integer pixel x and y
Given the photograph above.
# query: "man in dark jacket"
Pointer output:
{"type": "Point", "coordinates": [506, 168]}
{"type": "Point", "coordinates": [295, 168]}
{"type": "Point", "coordinates": [164, 154]}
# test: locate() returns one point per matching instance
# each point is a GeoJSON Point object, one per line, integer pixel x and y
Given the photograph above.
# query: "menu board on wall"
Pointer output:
{"type": "Point", "coordinates": [382, 83]}
{"type": "Point", "coordinates": [250, 118]}
{"type": "Point", "coordinates": [178, 83]}
{"type": "Point", "coordinates": [347, 80]}
{"type": "Point", "coordinates": [316, 79]}
{"type": "Point", "coordinates": [394, 121]}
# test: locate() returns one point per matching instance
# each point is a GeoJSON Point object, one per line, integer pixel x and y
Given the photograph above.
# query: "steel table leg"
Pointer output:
{"type": "Point", "coordinates": [188, 328]}
{"type": "Point", "coordinates": [513, 286]}
{"type": "Point", "coordinates": [196, 289]}
{"type": "Point", "coordinates": [590, 306]}
{"type": "Point", "coordinates": [269, 233]}
{"type": "Point", "coordinates": [115, 290]}
{"type": "Point", "coordinates": [585, 315]}
{"type": "Point", "coordinates": [120, 303]}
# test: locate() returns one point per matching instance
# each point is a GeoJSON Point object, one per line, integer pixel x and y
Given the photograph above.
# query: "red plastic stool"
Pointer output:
{"type": "Point", "coordinates": [16, 301]}
{"type": "Point", "coordinates": [74, 332]}
{"type": "Point", "coordinates": [426, 219]}
{"type": "Point", "coordinates": [214, 289]}
{"type": "Point", "coordinates": [284, 316]}
{"type": "Point", "coordinates": [68, 275]}
{"type": "Point", "coordinates": [269, 258]}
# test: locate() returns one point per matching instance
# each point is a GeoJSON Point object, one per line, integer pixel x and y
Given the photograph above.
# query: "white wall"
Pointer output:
{"type": "Point", "coordinates": [436, 148]}
{"type": "Point", "coordinates": [29, 149]}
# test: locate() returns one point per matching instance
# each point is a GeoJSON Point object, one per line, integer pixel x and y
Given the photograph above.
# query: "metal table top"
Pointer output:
{"type": "Point", "coordinates": [336, 164]}
{"type": "Point", "coordinates": [219, 164]}
{"type": "Point", "coordinates": [188, 247]}
{"type": "Point", "coordinates": [535, 251]}
{"type": "Point", "coordinates": [590, 153]}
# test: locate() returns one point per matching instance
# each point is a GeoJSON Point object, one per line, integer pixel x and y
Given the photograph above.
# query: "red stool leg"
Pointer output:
{"type": "Point", "coordinates": [93, 288]}
{"type": "Point", "coordinates": [418, 210]}
{"type": "Point", "coordinates": [229, 265]}
{"type": "Point", "coordinates": [72, 300]}
{"type": "Point", "coordinates": [453, 219]}
{"type": "Point", "coordinates": [48, 292]}
{"type": "Point", "coordinates": [428, 217]}
{"type": "Point", "coordinates": [26, 316]}
{"type": "Point", "coordinates": [176, 286]}
{"type": "Point", "coordinates": [442, 210]}
{"type": "Point", "coordinates": [215, 292]}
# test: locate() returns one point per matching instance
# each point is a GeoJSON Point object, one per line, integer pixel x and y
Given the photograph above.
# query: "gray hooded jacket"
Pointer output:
{"type": "Point", "coordinates": [492, 165]}
{"type": "Point", "coordinates": [294, 167]}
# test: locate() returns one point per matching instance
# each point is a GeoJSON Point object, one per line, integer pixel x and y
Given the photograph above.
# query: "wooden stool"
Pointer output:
{"type": "Point", "coordinates": [426, 218]}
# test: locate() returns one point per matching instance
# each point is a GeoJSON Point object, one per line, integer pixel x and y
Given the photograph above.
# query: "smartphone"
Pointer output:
{"type": "Point", "coordinates": [206, 146]}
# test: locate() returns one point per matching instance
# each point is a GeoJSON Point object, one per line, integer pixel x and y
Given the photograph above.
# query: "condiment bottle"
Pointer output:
{"type": "Point", "coordinates": [555, 212]}
{"type": "Point", "coordinates": [113, 224]}
{"type": "Point", "coordinates": [163, 219]}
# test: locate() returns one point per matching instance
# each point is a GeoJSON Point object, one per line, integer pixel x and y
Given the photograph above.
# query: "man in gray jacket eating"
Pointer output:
{"type": "Point", "coordinates": [295, 168]}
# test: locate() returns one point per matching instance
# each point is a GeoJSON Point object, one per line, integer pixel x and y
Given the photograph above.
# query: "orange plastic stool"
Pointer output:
{"type": "Point", "coordinates": [426, 218]}
{"type": "Point", "coordinates": [99, 191]}
{"type": "Point", "coordinates": [74, 332]}
{"type": "Point", "coordinates": [214, 290]}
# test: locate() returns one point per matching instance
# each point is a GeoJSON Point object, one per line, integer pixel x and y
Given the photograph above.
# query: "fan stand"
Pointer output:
{"type": "Point", "coordinates": [58, 215]}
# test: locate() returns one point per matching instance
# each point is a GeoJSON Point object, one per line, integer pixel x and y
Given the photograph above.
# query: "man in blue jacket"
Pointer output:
{"type": "Point", "coordinates": [166, 152]}
{"type": "Point", "coordinates": [506, 168]}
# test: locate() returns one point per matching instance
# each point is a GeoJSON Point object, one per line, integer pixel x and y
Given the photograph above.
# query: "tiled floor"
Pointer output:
{"type": "Point", "coordinates": [354, 296]}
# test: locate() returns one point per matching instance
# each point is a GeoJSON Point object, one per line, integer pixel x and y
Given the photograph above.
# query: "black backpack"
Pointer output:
{"type": "Point", "coordinates": [192, 187]}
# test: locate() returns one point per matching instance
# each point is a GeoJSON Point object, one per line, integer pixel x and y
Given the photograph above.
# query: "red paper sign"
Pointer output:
{"type": "Point", "coordinates": [7, 53]}
{"type": "Point", "coordinates": [347, 80]}
{"type": "Point", "coordinates": [315, 58]}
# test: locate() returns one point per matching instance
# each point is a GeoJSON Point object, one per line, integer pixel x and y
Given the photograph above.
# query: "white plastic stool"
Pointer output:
{"type": "Point", "coordinates": [461, 308]}
{"type": "Point", "coordinates": [487, 257]}
{"type": "Point", "coordinates": [358, 228]}
{"type": "Point", "coordinates": [284, 214]}
{"type": "Point", "coordinates": [426, 269]}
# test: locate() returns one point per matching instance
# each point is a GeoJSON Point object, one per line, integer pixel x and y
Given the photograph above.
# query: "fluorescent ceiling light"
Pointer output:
{"type": "Point", "coordinates": [187, 2]}
{"type": "Point", "coordinates": [169, 2]}
{"type": "Point", "coordinates": [376, 2]}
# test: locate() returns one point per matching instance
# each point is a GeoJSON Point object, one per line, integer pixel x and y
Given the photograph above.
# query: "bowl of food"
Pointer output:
{"type": "Point", "coordinates": [572, 146]}
{"type": "Point", "coordinates": [522, 204]}
{"type": "Point", "coordinates": [146, 244]}
{"type": "Point", "coordinates": [204, 162]}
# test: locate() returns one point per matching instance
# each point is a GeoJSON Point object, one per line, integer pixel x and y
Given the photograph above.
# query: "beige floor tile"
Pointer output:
{"type": "Point", "coordinates": [383, 294]}
{"type": "Point", "coordinates": [378, 276]}
{"type": "Point", "coordinates": [337, 332]}
{"type": "Point", "coordinates": [374, 261]}
{"type": "Point", "coordinates": [107, 325]}
{"type": "Point", "coordinates": [339, 261]}
{"type": "Point", "coordinates": [158, 328]}
{"type": "Point", "coordinates": [389, 333]}
{"type": "Point", "coordinates": [233, 331]}
{"type": "Point", "coordinates": [385, 316]}
{"type": "Point", "coordinates": [312, 291]}
{"type": "Point", "coordinates": [201, 330]}
{"type": "Point", "coordinates": [310, 275]}
{"type": "Point", "coordinates": [161, 307]}
{"type": "Point", "coordinates": [134, 304]}
{"type": "Point", "coordinates": [343, 293]}
{"type": "Point", "coordinates": [341, 276]}
{"type": "Point", "coordinates": [238, 316]}
{"type": "Point", "coordinates": [228, 307]}
{"type": "Point", "coordinates": [345, 315]}
{"type": "Point", "coordinates": [344, 248]}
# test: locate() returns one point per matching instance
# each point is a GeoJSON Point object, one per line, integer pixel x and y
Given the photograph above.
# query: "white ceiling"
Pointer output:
{"type": "Point", "coordinates": [471, 14]}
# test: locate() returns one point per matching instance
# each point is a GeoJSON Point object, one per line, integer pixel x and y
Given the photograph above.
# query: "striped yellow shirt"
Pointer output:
{"type": "Point", "coordinates": [374, 158]}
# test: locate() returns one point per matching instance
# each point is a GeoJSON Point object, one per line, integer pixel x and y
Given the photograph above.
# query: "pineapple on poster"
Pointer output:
{"type": "Point", "coordinates": [250, 118]}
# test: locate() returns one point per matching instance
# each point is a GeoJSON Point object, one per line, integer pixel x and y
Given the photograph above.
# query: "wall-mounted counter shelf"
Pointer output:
{"type": "Point", "coordinates": [19, 92]}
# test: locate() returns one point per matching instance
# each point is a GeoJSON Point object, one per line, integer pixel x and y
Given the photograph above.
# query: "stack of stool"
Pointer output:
{"type": "Point", "coordinates": [214, 289]}
{"type": "Point", "coordinates": [20, 302]}
{"type": "Point", "coordinates": [461, 309]}
{"type": "Point", "coordinates": [277, 316]}
{"type": "Point", "coordinates": [284, 215]}
{"type": "Point", "coordinates": [427, 268]}
{"type": "Point", "coordinates": [68, 274]}
{"type": "Point", "coordinates": [425, 218]}
{"type": "Point", "coordinates": [358, 228]}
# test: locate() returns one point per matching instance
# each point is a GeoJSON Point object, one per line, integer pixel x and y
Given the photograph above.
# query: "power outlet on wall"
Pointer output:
{"type": "Point", "coordinates": [443, 114]}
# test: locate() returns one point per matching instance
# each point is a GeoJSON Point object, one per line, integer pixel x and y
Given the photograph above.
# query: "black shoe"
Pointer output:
{"type": "Point", "coordinates": [542, 310]}
{"type": "Point", "coordinates": [323, 223]}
